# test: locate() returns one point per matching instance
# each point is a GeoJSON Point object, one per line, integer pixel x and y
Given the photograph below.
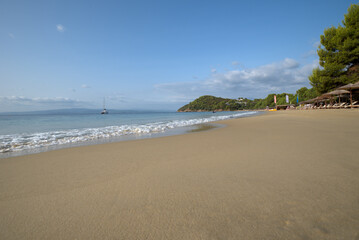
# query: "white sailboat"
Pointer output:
{"type": "Point", "coordinates": [104, 111]}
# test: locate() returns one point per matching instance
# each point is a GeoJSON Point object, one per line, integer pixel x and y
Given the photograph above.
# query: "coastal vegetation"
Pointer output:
{"type": "Point", "coordinates": [211, 103]}
{"type": "Point", "coordinates": [338, 54]}
{"type": "Point", "coordinates": [339, 65]}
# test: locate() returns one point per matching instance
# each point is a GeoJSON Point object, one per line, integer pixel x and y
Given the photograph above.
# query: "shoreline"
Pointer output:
{"type": "Point", "coordinates": [133, 137]}
{"type": "Point", "coordinates": [169, 132]}
{"type": "Point", "coordinates": [281, 175]}
{"type": "Point", "coordinates": [112, 139]}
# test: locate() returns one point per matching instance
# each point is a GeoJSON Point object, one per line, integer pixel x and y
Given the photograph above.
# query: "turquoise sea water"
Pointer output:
{"type": "Point", "coordinates": [36, 132]}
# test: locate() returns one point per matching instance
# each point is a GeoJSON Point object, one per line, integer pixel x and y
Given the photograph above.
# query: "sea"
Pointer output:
{"type": "Point", "coordinates": [33, 132]}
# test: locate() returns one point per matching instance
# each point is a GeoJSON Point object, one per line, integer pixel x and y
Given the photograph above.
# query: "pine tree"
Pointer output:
{"type": "Point", "coordinates": [338, 54]}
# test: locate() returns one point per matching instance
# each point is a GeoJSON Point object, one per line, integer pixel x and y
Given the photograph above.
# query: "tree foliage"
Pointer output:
{"type": "Point", "coordinates": [306, 94]}
{"type": "Point", "coordinates": [211, 103]}
{"type": "Point", "coordinates": [339, 65]}
{"type": "Point", "coordinates": [338, 54]}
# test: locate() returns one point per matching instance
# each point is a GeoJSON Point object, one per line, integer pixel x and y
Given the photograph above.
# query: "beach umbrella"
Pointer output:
{"type": "Point", "coordinates": [324, 98]}
{"type": "Point", "coordinates": [336, 93]}
{"type": "Point", "coordinates": [350, 87]}
{"type": "Point", "coordinates": [313, 100]}
{"type": "Point", "coordinates": [327, 96]}
{"type": "Point", "coordinates": [307, 101]}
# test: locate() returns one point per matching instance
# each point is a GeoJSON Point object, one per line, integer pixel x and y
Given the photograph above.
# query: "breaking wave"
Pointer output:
{"type": "Point", "coordinates": [18, 142]}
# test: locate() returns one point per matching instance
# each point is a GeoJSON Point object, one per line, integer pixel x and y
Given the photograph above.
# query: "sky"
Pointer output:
{"type": "Point", "coordinates": [156, 55]}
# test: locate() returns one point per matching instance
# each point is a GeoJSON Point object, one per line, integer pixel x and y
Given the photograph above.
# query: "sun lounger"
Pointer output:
{"type": "Point", "coordinates": [339, 105]}
{"type": "Point", "coordinates": [335, 105]}
{"type": "Point", "coordinates": [355, 104]}
{"type": "Point", "coordinates": [345, 105]}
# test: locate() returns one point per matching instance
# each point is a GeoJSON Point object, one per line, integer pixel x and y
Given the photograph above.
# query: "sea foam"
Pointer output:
{"type": "Point", "coordinates": [18, 142]}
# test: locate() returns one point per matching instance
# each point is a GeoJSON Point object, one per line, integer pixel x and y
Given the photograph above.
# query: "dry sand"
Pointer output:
{"type": "Point", "coordinates": [283, 175]}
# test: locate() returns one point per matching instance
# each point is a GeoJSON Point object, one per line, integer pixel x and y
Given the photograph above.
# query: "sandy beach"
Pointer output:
{"type": "Point", "coordinates": [280, 175]}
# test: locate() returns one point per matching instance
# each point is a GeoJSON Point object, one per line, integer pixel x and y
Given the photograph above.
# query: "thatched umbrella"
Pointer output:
{"type": "Point", "coordinates": [308, 101]}
{"type": "Point", "coordinates": [336, 93]}
{"type": "Point", "coordinates": [313, 100]}
{"type": "Point", "coordinates": [350, 87]}
{"type": "Point", "coordinates": [325, 97]}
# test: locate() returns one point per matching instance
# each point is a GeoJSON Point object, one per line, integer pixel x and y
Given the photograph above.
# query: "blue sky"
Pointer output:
{"type": "Point", "coordinates": [156, 54]}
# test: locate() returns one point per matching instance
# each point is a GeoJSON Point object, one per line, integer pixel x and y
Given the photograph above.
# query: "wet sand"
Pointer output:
{"type": "Point", "coordinates": [281, 175]}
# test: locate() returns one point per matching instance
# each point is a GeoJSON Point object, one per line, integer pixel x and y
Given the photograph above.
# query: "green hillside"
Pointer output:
{"type": "Point", "coordinates": [211, 103]}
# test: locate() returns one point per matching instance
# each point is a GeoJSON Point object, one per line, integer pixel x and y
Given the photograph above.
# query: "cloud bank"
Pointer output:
{"type": "Point", "coordinates": [19, 103]}
{"type": "Point", "coordinates": [284, 76]}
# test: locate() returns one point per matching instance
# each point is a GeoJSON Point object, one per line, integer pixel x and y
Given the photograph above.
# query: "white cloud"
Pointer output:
{"type": "Point", "coordinates": [20, 103]}
{"type": "Point", "coordinates": [285, 76]}
{"type": "Point", "coordinates": [26, 100]}
{"type": "Point", "coordinates": [60, 28]}
{"type": "Point", "coordinates": [313, 52]}
{"type": "Point", "coordinates": [85, 86]}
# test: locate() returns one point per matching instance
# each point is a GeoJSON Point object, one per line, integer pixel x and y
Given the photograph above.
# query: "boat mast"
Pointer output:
{"type": "Point", "coordinates": [104, 111]}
